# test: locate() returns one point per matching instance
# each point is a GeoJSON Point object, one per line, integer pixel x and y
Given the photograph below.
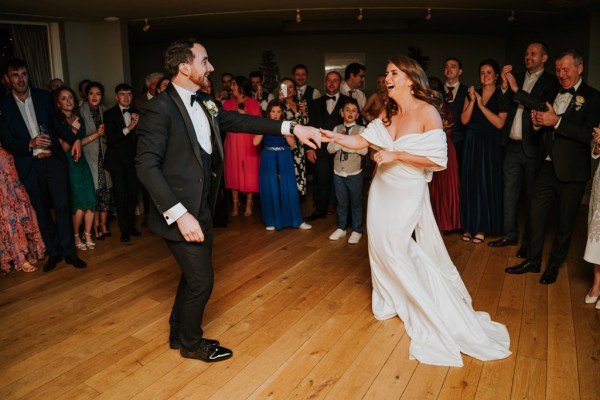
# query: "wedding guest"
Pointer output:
{"type": "Point", "coordinates": [241, 155]}
{"type": "Point", "coordinates": [592, 248]}
{"type": "Point", "coordinates": [258, 93]}
{"type": "Point", "coordinates": [83, 198]}
{"type": "Point", "coordinates": [226, 81]}
{"type": "Point", "coordinates": [55, 84]}
{"type": "Point", "coordinates": [354, 79]}
{"type": "Point", "coordinates": [455, 95]}
{"type": "Point", "coordinates": [82, 93]}
{"type": "Point", "coordinates": [162, 84]}
{"type": "Point", "coordinates": [94, 149]}
{"type": "Point", "coordinates": [279, 198]}
{"type": "Point", "coordinates": [303, 89]}
{"type": "Point", "coordinates": [151, 83]}
{"type": "Point", "coordinates": [376, 101]}
{"type": "Point", "coordinates": [481, 175]}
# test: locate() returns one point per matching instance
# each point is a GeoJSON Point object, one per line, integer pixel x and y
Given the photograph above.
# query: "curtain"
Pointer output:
{"type": "Point", "coordinates": [30, 43]}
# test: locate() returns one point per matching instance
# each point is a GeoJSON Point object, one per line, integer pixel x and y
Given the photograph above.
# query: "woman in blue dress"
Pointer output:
{"type": "Point", "coordinates": [481, 172]}
{"type": "Point", "coordinates": [279, 197]}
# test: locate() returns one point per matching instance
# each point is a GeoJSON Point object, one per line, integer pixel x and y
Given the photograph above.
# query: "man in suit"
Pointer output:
{"type": "Point", "coordinates": [119, 127]}
{"type": "Point", "coordinates": [30, 132]}
{"type": "Point", "coordinates": [150, 81]}
{"type": "Point", "coordinates": [325, 114]}
{"type": "Point", "coordinates": [354, 79]}
{"type": "Point", "coordinates": [180, 162]}
{"type": "Point", "coordinates": [565, 150]}
{"type": "Point", "coordinates": [520, 141]}
{"type": "Point", "coordinates": [455, 95]}
{"type": "Point", "coordinates": [303, 89]}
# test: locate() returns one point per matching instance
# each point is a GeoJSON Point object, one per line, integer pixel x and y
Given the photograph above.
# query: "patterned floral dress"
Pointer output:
{"type": "Point", "coordinates": [298, 151]}
{"type": "Point", "coordinates": [20, 237]}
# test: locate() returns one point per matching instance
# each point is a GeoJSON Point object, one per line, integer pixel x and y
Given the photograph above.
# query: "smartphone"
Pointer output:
{"type": "Point", "coordinates": [542, 107]}
{"type": "Point", "coordinates": [284, 92]}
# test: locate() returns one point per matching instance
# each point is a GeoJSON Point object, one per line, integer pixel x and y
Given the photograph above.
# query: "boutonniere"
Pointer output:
{"type": "Point", "coordinates": [578, 102]}
{"type": "Point", "coordinates": [212, 108]}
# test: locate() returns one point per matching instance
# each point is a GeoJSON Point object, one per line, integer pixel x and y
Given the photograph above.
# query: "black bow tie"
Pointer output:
{"type": "Point", "coordinates": [570, 90]}
{"type": "Point", "coordinates": [330, 98]}
{"type": "Point", "coordinates": [200, 96]}
{"type": "Point", "coordinates": [127, 110]}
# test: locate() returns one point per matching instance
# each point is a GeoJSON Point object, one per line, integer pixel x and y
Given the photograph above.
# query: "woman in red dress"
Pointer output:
{"type": "Point", "coordinates": [242, 157]}
{"type": "Point", "coordinates": [21, 242]}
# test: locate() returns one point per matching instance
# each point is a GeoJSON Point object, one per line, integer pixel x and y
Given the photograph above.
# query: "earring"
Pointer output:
{"type": "Point", "coordinates": [412, 91]}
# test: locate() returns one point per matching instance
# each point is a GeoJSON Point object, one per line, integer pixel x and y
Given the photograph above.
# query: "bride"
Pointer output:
{"type": "Point", "coordinates": [415, 278]}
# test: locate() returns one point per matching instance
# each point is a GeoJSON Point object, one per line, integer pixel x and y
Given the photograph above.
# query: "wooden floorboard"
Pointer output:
{"type": "Point", "coordinates": [295, 308]}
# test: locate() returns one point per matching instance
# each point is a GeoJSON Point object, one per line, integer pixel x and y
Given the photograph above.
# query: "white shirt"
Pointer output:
{"type": "Point", "coordinates": [357, 95]}
{"type": "Point", "coordinates": [561, 103]}
{"type": "Point", "coordinates": [516, 130]}
{"type": "Point", "coordinates": [330, 104]}
{"type": "Point", "coordinates": [126, 118]}
{"type": "Point", "coordinates": [27, 111]}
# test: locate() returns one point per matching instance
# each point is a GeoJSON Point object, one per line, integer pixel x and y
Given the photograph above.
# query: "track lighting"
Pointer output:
{"type": "Point", "coordinates": [146, 26]}
{"type": "Point", "coordinates": [360, 14]}
{"type": "Point", "coordinates": [511, 17]}
{"type": "Point", "coordinates": [298, 17]}
{"type": "Point", "coordinates": [428, 16]}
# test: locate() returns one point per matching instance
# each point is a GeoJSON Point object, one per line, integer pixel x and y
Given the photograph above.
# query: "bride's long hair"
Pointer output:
{"type": "Point", "coordinates": [420, 88]}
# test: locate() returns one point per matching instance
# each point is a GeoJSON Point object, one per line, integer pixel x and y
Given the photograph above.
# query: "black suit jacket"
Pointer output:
{"type": "Point", "coordinates": [543, 91]}
{"type": "Point", "coordinates": [120, 149]}
{"type": "Point", "coordinates": [320, 118]}
{"type": "Point", "coordinates": [15, 136]}
{"type": "Point", "coordinates": [456, 108]}
{"type": "Point", "coordinates": [169, 163]}
{"type": "Point", "coordinates": [569, 144]}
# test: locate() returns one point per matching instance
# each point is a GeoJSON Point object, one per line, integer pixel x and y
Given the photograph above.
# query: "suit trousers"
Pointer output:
{"type": "Point", "coordinates": [125, 189]}
{"type": "Point", "coordinates": [195, 286]}
{"type": "Point", "coordinates": [48, 188]}
{"type": "Point", "coordinates": [566, 196]}
{"type": "Point", "coordinates": [323, 180]}
{"type": "Point", "coordinates": [519, 174]}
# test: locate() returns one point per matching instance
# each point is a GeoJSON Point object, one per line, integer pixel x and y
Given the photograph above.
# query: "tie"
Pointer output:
{"type": "Point", "coordinates": [199, 96]}
{"type": "Point", "coordinates": [127, 110]}
{"type": "Point", "coordinates": [347, 129]}
{"type": "Point", "coordinates": [330, 97]}
{"type": "Point", "coordinates": [570, 90]}
{"type": "Point", "coordinates": [300, 94]}
{"type": "Point", "coordinates": [450, 94]}
{"type": "Point", "coordinates": [351, 94]}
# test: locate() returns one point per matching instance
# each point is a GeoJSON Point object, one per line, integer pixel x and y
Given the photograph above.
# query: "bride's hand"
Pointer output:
{"type": "Point", "coordinates": [328, 136]}
{"type": "Point", "coordinates": [382, 157]}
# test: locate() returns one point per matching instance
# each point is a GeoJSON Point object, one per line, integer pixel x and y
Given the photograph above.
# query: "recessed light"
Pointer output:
{"type": "Point", "coordinates": [111, 19]}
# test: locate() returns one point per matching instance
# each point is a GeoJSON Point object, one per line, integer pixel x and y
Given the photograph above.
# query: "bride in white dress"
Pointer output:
{"type": "Point", "coordinates": [415, 279]}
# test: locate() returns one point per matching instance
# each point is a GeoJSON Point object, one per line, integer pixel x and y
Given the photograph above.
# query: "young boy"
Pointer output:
{"type": "Point", "coordinates": [347, 179]}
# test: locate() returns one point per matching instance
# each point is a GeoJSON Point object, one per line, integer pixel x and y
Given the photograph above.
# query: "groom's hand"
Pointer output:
{"type": "Point", "coordinates": [190, 228]}
{"type": "Point", "coordinates": [308, 135]}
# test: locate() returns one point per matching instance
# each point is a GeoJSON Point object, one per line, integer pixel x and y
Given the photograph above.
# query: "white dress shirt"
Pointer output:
{"type": "Point", "coordinates": [330, 104]}
{"type": "Point", "coordinates": [27, 111]}
{"type": "Point", "coordinates": [356, 94]}
{"type": "Point", "coordinates": [454, 89]}
{"type": "Point", "coordinates": [516, 130]}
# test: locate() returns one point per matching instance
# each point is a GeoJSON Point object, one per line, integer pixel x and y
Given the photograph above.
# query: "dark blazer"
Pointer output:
{"type": "Point", "coordinates": [320, 118]}
{"type": "Point", "coordinates": [456, 108]}
{"type": "Point", "coordinates": [169, 163]}
{"type": "Point", "coordinates": [569, 144]}
{"type": "Point", "coordinates": [120, 149]}
{"type": "Point", "coordinates": [15, 136]}
{"type": "Point", "coordinates": [543, 91]}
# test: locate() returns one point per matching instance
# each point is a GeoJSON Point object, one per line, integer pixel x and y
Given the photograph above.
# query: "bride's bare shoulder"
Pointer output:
{"type": "Point", "coordinates": [431, 117]}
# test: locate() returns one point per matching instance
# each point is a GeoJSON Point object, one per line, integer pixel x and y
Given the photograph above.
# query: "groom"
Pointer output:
{"type": "Point", "coordinates": [180, 162]}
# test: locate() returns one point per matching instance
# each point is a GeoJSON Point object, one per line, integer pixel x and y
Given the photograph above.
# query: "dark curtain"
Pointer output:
{"type": "Point", "coordinates": [30, 43]}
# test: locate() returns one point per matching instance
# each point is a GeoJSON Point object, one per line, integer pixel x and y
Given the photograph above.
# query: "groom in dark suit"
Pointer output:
{"type": "Point", "coordinates": [565, 150]}
{"type": "Point", "coordinates": [30, 132]}
{"type": "Point", "coordinates": [522, 93]}
{"type": "Point", "coordinates": [180, 162]}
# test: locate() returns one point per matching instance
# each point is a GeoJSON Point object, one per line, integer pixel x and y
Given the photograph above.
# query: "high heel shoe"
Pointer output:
{"type": "Point", "coordinates": [589, 299]}
{"type": "Point", "coordinates": [27, 267]}
{"type": "Point", "coordinates": [236, 206]}
{"type": "Point", "coordinates": [99, 234]}
{"type": "Point", "coordinates": [80, 245]}
{"type": "Point", "coordinates": [248, 211]}
{"type": "Point", "coordinates": [89, 243]}
{"type": "Point", "coordinates": [105, 230]}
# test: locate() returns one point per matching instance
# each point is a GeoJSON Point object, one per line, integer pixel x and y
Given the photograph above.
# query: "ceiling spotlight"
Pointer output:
{"type": "Point", "coordinates": [146, 26]}
{"type": "Point", "coordinates": [298, 17]}
{"type": "Point", "coordinates": [511, 17]}
{"type": "Point", "coordinates": [428, 16]}
{"type": "Point", "coordinates": [360, 14]}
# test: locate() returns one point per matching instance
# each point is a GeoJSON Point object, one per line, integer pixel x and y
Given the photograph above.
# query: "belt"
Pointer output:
{"type": "Point", "coordinates": [276, 148]}
{"type": "Point", "coordinates": [43, 155]}
{"type": "Point", "coordinates": [516, 141]}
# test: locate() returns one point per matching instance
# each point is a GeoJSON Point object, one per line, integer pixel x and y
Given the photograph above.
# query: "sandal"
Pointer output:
{"type": "Point", "coordinates": [80, 245]}
{"type": "Point", "coordinates": [466, 237]}
{"type": "Point", "coordinates": [236, 206]}
{"type": "Point", "coordinates": [89, 243]}
{"type": "Point", "coordinates": [479, 238]}
{"type": "Point", "coordinates": [27, 267]}
{"type": "Point", "coordinates": [248, 208]}
{"type": "Point", "coordinates": [105, 231]}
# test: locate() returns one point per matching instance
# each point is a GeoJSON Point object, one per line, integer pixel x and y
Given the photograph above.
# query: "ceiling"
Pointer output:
{"type": "Point", "coordinates": [237, 18]}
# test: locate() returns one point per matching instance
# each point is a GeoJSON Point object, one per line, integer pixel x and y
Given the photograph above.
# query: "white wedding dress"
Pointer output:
{"type": "Point", "coordinates": [416, 279]}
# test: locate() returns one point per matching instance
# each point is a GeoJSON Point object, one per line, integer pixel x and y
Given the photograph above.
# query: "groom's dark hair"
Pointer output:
{"type": "Point", "coordinates": [178, 52]}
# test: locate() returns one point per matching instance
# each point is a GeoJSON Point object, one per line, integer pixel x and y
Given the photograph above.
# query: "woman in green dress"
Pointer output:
{"type": "Point", "coordinates": [83, 196]}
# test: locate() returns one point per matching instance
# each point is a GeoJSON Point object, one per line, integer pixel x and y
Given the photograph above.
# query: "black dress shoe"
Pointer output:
{"type": "Point", "coordinates": [523, 268]}
{"type": "Point", "coordinates": [315, 216]}
{"type": "Point", "coordinates": [135, 232]}
{"type": "Point", "coordinates": [75, 261]}
{"type": "Point", "coordinates": [503, 242]}
{"type": "Point", "coordinates": [550, 274]}
{"type": "Point", "coordinates": [522, 252]}
{"type": "Point", "coordinates": [207, 353]}
{"type": "Point", "coordinates": [125, 237]}
{"type": "Point", "coordinates": [175, 343]}
{"type": "Point", "coordinates": [51, 263]}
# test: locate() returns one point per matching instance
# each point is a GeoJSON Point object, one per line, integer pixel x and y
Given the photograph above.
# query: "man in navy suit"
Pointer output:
{"type": "Point", "coordinates": [120, 123]}
{"type": "Point", "coordinates": [30, 132]}
{"type": "Point", "coordinates": [567, 128]}
{"type": "Point", "coordinates": [455, 95]}
{"type": "Point", "coordinates": [180, 162]}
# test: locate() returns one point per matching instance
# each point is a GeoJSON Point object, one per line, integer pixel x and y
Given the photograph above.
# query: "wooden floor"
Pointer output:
{"type": "Point", "coordinates": [295, 308]}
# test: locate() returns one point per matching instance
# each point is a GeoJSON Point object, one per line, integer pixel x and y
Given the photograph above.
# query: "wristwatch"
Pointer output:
{"type": "Point", "coordinates": [292, 126]}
